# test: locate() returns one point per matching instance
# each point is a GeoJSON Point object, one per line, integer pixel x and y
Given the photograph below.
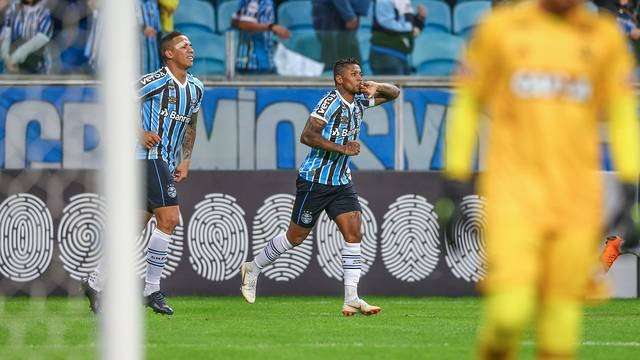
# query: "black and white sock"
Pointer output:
{"type": "Point", "coordinates": [272, 251]}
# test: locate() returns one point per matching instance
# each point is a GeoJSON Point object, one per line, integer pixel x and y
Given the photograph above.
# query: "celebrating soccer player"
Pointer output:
{"type": "Point", "coordinates": [324, 180]}
{"type": "Point", "coordinates": [543, 71]}
{"type": "Point", "coordinates": [170, 99]}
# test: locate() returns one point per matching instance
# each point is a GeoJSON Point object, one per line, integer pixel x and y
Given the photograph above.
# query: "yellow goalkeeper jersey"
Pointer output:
{"type": "Point", "coordinates": [544, 81]}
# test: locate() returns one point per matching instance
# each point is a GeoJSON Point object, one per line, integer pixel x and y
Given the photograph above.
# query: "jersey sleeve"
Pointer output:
{"type": "Point", "coordinates": [149, 85]}
{"type": "Point", "coordinates": [326, 107]}
{"type": "Point", "coordinates": [617, 72]}
{"type": "Point", "coordinates": [248, 11]}
{"type": "Point", "coordinates": [199, 94]}
{"type": "Point", "coordinates": [480, 61]}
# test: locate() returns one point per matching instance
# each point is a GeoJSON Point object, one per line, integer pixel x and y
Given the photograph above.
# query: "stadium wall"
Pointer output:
{"type": "Point", "coordinates": [50, 147]}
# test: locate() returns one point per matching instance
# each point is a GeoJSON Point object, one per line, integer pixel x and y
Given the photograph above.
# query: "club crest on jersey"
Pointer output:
{"type": "Point", "coordinates": [306, 217]}
{"type": "Point", "coordinates": [171, 191]}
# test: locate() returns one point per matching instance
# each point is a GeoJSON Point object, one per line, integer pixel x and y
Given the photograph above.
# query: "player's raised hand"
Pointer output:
{"type": "Point", "coordinates": [351, 148]}
{"type": "Point", "coordinates": [182, 171]}
{"type": "Point", "coordinates": [149, 139]}
{"type": "Point", "coordinates": [369, 88]}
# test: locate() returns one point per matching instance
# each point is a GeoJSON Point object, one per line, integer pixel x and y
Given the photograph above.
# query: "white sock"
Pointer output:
{"type": "Point", "coordinates": [275, 247]}
{"type": "Point", "coordinates": [96, 279]}
{"type": "Point", "coordinates": [156, 258]}
{"type": "Point", "coordinates": [351, 267]}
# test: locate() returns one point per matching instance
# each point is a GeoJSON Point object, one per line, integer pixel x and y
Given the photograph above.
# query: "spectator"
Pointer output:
{"type": "Point", "coordinates": [167, 8]}
{"type": "Point", "coordinates": [4, 6]}
{"type": "Point", "coordinates": [336, 23]}
{"type": "Point", "coordinates": [256, 21]}
{"type": "Point", "coordinates": [627, 21]}
{"type": "Point", "coordinates": [395, 25]}
{"type": "Point", "coordinates": [26, 32]}
{"type": "Point", "coordinates": [92, 47]}
{"type": "Point", "coordinates": [149, 21]}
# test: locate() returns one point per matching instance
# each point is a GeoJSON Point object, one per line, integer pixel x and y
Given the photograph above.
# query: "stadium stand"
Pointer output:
{"type": "Point", "coordinates": [210, 50]}
{"type": "Point", "coordinates": [436, 53]}
{"type": "Point", "coordinates": [466, 15]}
{"type": "Point", "coordinates": [295, 15]}
{"type": "Point", "coordinates": [225, 13]}
{"type": "Point", "coordinates": [195, 14]}
{"type": "Point", "coordinates": [305, 42]}
{"type": "Point", "coordinates": [438, 14]}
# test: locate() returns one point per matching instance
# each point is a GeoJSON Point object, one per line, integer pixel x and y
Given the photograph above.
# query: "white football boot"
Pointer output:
{"type": "Point", "coordinates": [249, 281]}
{"type": "Point", "coordinates": [361, 306]}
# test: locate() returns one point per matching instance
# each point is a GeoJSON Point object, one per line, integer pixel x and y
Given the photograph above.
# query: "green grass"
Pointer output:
{"type": "Point", "coordinates": [295, 328]}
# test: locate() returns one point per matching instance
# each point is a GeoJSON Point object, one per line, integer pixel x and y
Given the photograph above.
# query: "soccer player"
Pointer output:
{"type": "Point", "coordinates": [170, 99]}
{"type": "Point", "coordinates": [324, 180]}
{"type": "Point", "coordinates": [27, 30]}
{"type": "Point", "coordinates": [543, 71]}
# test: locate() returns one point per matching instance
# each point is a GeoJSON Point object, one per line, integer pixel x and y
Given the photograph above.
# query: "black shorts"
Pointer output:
{"type": "Point", "coordinates": [312, 198]}
{"type": "Point", "coordinates": [161, 191]}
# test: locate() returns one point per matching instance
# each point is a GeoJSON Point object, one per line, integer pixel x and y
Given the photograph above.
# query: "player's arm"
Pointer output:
{"type": "Point", "coordinates": [381, 92]}
{"type": "Point", "coordinates": [462, 125]}
{"type": "Point", "coordinates": [312, 136]}
{"type": "Point", "coordinates": [187, 149]}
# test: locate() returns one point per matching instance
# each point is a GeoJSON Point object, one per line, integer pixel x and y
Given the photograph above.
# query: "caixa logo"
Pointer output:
{"type": "Point", "coordinates": [542, 85]}
{"type": "Point", "coordinates": [344, 132]}
{"type": "Point", "coordinates": [173, 115]}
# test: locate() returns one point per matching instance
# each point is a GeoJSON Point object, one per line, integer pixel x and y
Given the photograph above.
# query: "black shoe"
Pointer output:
{"type": "Point", "coordinates": [93, 296]}
{"type": "Point", "coordinates": [156, 302]}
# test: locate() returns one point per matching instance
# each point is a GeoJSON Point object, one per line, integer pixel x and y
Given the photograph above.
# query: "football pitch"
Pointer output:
{"type": "Point", "coordinates": [295, 328]}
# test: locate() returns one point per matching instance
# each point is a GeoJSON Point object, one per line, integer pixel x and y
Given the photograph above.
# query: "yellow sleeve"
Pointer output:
{"type": "Point", "coordinates": [621, 108]}
{"type": "Point", "coordinates": [477, 73]}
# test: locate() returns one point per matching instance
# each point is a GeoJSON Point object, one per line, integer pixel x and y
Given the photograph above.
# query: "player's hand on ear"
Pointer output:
{"type": "Point", "coordinates": [149, 139]}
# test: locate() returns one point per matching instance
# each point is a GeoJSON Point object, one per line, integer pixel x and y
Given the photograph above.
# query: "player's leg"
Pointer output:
{"type": "Point", "coordinates": [565, 280]}
{"type": "Point", "coordinates": [346, 212]}
{"type": "Point", "coordinates": [162, 199]}
{"type": "Point", "coordinates": [513, 246]}
{"type": "Point", "coordinates": [311, 198]}
{"type": "Point", "coordinates": [92, 285]}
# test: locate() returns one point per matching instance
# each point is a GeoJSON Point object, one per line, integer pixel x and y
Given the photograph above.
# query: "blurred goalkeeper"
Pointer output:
{"type": "Point", "coordinates": [544, 71]}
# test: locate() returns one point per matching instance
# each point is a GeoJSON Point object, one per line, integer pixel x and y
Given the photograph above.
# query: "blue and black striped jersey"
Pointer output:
{"type": "Point", "coordinates": [166, 109]}
{"type": "Point", "coordinates": [343, 124]}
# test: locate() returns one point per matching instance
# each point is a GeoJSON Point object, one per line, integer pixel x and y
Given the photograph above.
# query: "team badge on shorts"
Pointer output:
{"type": "Point", "coordinates": [171, 191]}
{"type": "Point", "coordinates": [306, 217]}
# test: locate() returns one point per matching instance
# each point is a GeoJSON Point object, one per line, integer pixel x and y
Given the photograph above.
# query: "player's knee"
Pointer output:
{"type": "Point", "coordinates": [168, 222]}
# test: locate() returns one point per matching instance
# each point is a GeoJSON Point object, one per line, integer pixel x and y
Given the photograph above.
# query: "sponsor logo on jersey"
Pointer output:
{"type": "Point", "coordinates": [152, 77]}
{"type": "Point", "coordinates": [542, 85]}
{"type": "Point", "coordinates": [324, 105]}
{"type": "Point", "coordinates": [173, 115]}
{"type": "Point", "coordinates": [344, 132]}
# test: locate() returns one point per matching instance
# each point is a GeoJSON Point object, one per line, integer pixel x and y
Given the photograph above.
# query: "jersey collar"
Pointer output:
{"type": "Point", "coordinates": [176, 80]}
{"type": "Point", "coordinates": [349, 104]}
